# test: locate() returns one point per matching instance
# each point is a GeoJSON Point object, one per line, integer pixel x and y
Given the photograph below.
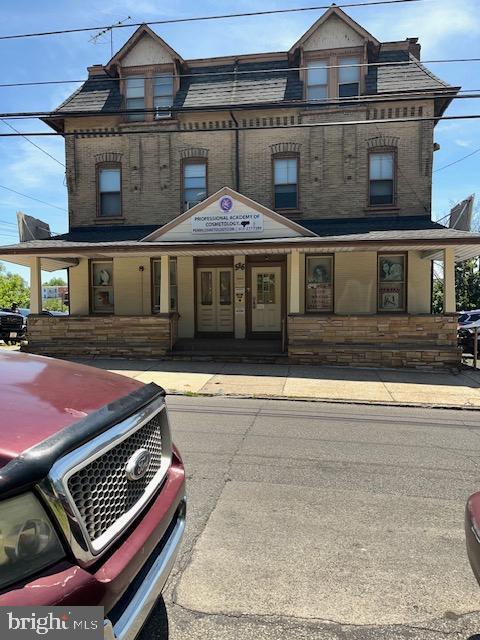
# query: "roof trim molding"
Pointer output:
{"type": "Point", "coordinates": [227, 191]}
{"type": "Point", "coordinates": [344, 17]}
{"type": "Point", "coordinates": [142, 30]}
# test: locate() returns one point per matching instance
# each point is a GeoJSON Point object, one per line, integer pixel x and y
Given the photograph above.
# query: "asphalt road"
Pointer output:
{"type": "Point", "coordinates": [310, 520]}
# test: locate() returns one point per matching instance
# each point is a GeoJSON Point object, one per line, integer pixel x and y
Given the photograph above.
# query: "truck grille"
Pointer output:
{"type": "Point", "coordinates": [13, 322]}
{"type": "Point", "coordinates": [101, 491]}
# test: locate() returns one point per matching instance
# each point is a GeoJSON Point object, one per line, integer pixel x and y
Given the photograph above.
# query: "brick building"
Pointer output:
{"type": "Point", "coordinates": [280, 197]}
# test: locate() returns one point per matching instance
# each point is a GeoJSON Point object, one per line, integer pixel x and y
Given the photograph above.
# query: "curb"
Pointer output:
{"type": "Point", "coordinates": [349, 401]}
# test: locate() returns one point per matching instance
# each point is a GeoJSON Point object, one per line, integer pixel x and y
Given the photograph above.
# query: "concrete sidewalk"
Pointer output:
{"type": "Point", "coordinates": [381, 386]}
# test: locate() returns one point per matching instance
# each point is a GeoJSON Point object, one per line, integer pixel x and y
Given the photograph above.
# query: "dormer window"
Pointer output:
{"type": "Point", "coordinates": [135, 98]}
{"type": "Point", "coordinates": [348, 77]}
{"type": "Point", "coordinates": [317, 80]}
{"type": "Point", "coordinates": [162, 94]}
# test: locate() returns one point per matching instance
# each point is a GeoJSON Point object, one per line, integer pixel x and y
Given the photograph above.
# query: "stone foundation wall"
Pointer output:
{"type": "Point", "coordinates": [419, 341]}
{"type": "Point", "coordinates": [118, 336]}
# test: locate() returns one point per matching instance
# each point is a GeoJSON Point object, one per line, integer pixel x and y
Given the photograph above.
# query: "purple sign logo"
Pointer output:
{"type": "Point", "coordinates": [226, 203]}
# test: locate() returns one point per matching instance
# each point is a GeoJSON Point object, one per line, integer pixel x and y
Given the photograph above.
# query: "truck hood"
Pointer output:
{"type": "Point", "coordinates": [41, 396]}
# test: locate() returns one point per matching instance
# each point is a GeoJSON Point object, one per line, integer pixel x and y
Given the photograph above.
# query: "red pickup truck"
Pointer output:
{"type": "Point", "coordinates": [92, 490]}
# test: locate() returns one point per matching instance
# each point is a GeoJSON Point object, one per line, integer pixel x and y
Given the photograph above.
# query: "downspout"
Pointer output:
{"type": "Point", "coordinates": [237, 152]}
{"type": "Point", "coordinates": [237, 132]}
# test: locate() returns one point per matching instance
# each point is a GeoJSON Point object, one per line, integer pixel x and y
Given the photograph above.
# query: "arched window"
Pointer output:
{"type": "Point", "coordinates": [109, 190]}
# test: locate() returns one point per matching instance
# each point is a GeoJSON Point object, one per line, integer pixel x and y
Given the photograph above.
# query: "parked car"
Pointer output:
{"type": "Point", "coordinates": [12, 327]}
{"type": "Point", "coordinates": [92, 490]}
{"type": "Point", "coordinates": [472, 533]}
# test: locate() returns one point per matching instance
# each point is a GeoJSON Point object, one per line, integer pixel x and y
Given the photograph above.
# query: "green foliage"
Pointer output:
{"type": "Point", "coordinates": [55, 282]}
{"type": "Point", "coordinates": [54, 304]}
{"type": "Point", "coordinates": [437, 296]}
{"type": "Point", "coordinates": [467, 285]}
{"type": "Point", "coordinates": [13, 288]}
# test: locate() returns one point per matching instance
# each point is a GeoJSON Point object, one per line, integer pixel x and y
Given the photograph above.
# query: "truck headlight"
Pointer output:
{"type": "Point", "coordinates": [28, 541]}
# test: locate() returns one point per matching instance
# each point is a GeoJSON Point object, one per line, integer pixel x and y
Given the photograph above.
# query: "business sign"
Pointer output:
{"type": "Point", "coordinates": [227, 219]}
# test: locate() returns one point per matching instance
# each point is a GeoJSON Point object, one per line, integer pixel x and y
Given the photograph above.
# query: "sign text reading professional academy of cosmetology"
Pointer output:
{"type": "Point", "coordinates": [226, 220]}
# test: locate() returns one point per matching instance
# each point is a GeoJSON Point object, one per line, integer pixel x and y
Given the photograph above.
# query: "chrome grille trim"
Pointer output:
{"type": "Point", "coordinates": [56, 490]}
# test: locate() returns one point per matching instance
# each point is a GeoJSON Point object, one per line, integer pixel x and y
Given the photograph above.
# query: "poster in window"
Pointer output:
{"type": "Point", "coordinates": [102, 274]}
{"type": "Point", "coordinates": [391, 298]}
{"type": "Point", "coordinates": [319, 291]}
{"type": "Point", "coordinates": [391, 268]}
{"type": "Point", "coordinates": [103, 299]}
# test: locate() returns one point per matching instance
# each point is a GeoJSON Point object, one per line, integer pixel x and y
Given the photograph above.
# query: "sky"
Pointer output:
{"type": "Point", "coordinates": [445, 29]}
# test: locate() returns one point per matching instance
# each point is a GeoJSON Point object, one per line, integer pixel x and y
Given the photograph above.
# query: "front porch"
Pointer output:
{"type": "Point", "coordinates": [352, 294]}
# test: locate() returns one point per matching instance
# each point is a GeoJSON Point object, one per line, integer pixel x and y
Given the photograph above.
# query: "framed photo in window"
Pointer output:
{"type": "Point", "coordinates": [392, 282]}
{"type": "Point", "coordinates": [101, 286]}
{"type": "Point", "coordinates": [319, 284]}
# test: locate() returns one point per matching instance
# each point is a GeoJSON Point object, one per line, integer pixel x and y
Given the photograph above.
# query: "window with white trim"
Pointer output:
{"type": "Point", "coordinates": [162, 94]}
{"type": "Point", "coordinates": [348, 77]}
{"type": "Point", "coordinates": [194, 183]}
{"type": "Point", "coordinates": [317, 80]}
{"type": "Point", "coordinates": [135, 98]}
{"type": "Point", "coordinates": [381, 178]}
{"type": "Point", "coordinates": [109, 192]}
{"type": "Point", "coordinates": [285, 178]}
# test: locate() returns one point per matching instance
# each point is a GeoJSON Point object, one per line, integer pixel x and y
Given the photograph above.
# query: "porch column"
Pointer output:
{"type": "Point", "coordinates": [239, 295]}
{"type": "Point", "coordinates": [294, 293]}
{"type": "Point", "coordinates": [35, 285]}
{"type": "Point", "coordinates": [449, 303]}
{"type": "Point", "coordinates": [164, 285]}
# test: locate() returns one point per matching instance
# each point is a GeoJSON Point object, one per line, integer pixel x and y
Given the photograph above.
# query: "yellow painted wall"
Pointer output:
{"type": "Point", "coordinates": [78, 277]}
{"type": "Point", "coordinates": [419, 283]}
{"type": "Point", "coordinates": [356, 282]}
{"type": "Point", "coordinates": [186, 297]}
{"type": "Point", "coordinates": [132, 286]}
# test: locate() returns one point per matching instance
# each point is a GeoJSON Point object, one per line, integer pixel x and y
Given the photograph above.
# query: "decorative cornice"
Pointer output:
{"type": "Point", "coordinates": [194, 152]}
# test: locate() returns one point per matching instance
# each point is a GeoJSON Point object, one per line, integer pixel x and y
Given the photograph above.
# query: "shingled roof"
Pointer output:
{"type": "Point", "coordinates": [255, 83]}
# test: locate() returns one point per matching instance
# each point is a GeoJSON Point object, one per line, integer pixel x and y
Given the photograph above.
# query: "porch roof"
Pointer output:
{"type": "Point", "coordinates": [429, 241]}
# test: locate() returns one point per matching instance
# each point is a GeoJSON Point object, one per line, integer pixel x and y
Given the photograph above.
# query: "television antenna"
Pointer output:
{"type": "Point", "coordinates": [97, 37]}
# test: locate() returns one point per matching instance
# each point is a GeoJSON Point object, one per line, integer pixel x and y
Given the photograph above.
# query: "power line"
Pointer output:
{"type": "Point", "coordinates": [450, 164]}
{"type": "Point", "coordinates": [24, 195]}
{"type": "Point", "coordinates": [348, 101]}
{"type": "Point", "coordinates": [206, 18]}
{"type": "Point", "coordinates": [301, 125]}
{"type": "Point", "coordinates": [33, 143]}
{"type": "Point", "coordinates": [243, 72]}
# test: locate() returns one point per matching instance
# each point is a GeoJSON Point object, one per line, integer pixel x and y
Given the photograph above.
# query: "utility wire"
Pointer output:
{"type": "Point", "coordinates": [450, 164]}
{"type": "Point", "coordinates": [349, 102]}
{"type": "Point", "coordinates": [205, 18]}
{"type": "Point", "coordinates": [302, 125]}
{"type": "Point", "coordinates": [33, 143]}
{"type": "Point", "coordinates": [24, 195]}
{"type": "Point", "coordinates": [102, 78]}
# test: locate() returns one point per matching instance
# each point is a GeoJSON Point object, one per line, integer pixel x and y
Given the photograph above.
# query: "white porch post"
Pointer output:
{"type": "Point", "coordinates": [35, 285]}
{"type": "Point", "coordinates": [165, 285]}
{"type": "Point", "coordinates": [449, 304]}
{"type": "Point", "coordinates": [294, 293]}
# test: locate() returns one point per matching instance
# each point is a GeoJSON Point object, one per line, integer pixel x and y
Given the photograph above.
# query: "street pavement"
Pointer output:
{"type": "Point", "coordinates": [322, 521]}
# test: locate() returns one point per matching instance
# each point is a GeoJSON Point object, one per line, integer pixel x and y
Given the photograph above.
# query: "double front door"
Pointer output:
{"type": "Point", "coordinates": [215, 300]}
{"type": "Point", "coordinates": [215, 304]}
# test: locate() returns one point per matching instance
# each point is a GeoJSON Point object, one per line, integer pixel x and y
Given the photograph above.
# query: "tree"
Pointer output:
{"type": "Point", "coordinates": [467, 285]}
{"type": "Point", "coordinates": [55, 282]}
{"type": "Point", "coordinates": [54, 304]}
{"type": "Point", "coordinates": [13, 288]}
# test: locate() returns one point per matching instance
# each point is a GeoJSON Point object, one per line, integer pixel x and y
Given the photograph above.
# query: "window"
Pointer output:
{"type": "Point", "coordinates": [162, 94]}
{"type": "Point", "coordinates": [156, 284]}
{"type": "Point", "coordinates": [381, 178]}
{"type": "Point", "coordinates": [285, 183]}
{"type": "Point", "coordinates": [348, 77]}
{"type": "Point", "coordinates": [101, 286]}
{"type": "Point", "coordinates": [194, 183]}
{"type": "Point", "coordinates": [391, 282]}
{"type": "Point", "coordinates": [109, 192]}
{"type": "Point", "coordinates": [135, 98]}
{"type": "Point", "coordinates": [317, 80]}
{"type": "Point", "coordinates": [319, 284]}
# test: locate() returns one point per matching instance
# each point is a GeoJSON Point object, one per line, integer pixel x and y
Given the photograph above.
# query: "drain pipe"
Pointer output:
{"type": "Point", "coordinates": [237, 152]}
